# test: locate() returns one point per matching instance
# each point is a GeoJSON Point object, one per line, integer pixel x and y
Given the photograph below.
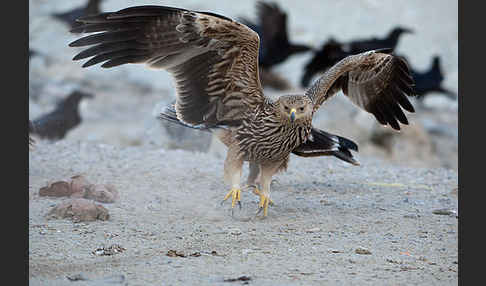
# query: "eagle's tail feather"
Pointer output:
{"type": "Point", "coordinates": [322, 143]}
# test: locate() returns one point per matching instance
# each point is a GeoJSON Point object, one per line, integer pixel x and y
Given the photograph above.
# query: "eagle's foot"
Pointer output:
{"type": "Point", "coordinates": [257, 192]}
{"type": "Point", "coordinates": [263, 204]}
{"type": "Point", "coordinates": [236, 197]}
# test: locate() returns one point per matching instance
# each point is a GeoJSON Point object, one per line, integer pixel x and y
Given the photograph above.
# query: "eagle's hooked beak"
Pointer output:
{"type": "Point", "coordinates": [292, 115]}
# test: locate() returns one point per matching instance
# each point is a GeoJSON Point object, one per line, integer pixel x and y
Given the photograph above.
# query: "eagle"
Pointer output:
{"type": "Point", "coordinates": [214, 62]}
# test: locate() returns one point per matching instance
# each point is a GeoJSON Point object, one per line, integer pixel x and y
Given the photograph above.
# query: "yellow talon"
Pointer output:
{"type": "Point", "coordinates": [264, 201]}
{"type": "Point", "coordinates": [257, 192]}
{"type": "Point", "coordinates": [236, 196]}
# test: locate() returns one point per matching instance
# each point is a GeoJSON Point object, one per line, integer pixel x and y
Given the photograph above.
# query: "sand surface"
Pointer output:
{"type": "Point", "coordinates": [170, 200]}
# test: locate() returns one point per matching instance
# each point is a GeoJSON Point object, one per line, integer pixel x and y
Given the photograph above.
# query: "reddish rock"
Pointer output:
{"type": "Point", "coordinates": [78, 183]}
{"type": "Point", "coordinates": [101, 193]}
{"type": "Point", "coordinates": [79, 210]}
{"type": "Point", "coordinates": [80, 187]}
{"type": "Point", "coordinates": [56, 189]}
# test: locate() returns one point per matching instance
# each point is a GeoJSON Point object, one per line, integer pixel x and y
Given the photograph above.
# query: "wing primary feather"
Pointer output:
{"type": "Point", "coordinates": [106, 37]}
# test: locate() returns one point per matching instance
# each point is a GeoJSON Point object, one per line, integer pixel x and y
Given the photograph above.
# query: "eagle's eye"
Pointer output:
{"type": "Point", "coordinates": [286, 107]}
{"type": "Point", "coordinates": [301, 108]}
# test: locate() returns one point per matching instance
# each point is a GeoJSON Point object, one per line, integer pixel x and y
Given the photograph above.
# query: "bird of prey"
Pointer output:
{"type": "Point", "coordinates": [333, 51]}
{"type": "Point", "coordinates": [69, 17]}
{"type": "Point", "coordinates": [57, 123]}
{"type": "Point", "coordinates": [214, 61]}
{"type": "Point", "coordinates": [275, 46]}
{"type": "Point", "coordinates": [430, 80]}
{"type": "Point", "coordinates": [319, 142]}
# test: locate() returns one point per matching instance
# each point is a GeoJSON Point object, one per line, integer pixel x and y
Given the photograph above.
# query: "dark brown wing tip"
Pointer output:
{"type": "Point", "coordinates": [387, 109]}
{"type": "Point", "coordinates": [384, 50]}
{"type": "Point", "coordinates": [75, 43]}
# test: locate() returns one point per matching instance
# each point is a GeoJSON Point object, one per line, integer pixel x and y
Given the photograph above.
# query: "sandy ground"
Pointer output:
{"type": "Point", "coordinates": [170, 198]}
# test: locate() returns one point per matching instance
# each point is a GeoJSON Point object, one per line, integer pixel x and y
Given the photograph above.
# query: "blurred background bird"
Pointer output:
{"type": "Point", "coordinates": [69, 17]}
{"type": "Point", "coordinates": [330, 53]}
{"type": "Point", "coordinates": [32, 53]}
{"type": "Point", "coordinates": [275, 46]}
{"type": "Point", "coordinates": [390, 41]}
{"type": "Point", "coordinates": [430, 80]}
{"type": "Point", "coordinates": [57, 123]}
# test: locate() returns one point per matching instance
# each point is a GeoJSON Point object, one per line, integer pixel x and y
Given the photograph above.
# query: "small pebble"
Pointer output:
{"type": "Point", "coordinates": [444, 212]}
{"type": "Point", "coordinates": [361, 250]}
{"type": "Point", "coordinates": [335, 251]}
{"type": "Point", "coordinates": [111, 250]}
{"type": "Point", "coordinates": [312, 230]}
{"type": "Point", "coordinates": [235, 231]}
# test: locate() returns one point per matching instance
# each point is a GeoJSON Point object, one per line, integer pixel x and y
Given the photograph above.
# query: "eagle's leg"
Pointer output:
{"type": "Point", "coordinates": [253, 179]}
{"type": "Point", "coordinates": [267, 170]}
{"type": "Point", "coordinates": [232, 174]}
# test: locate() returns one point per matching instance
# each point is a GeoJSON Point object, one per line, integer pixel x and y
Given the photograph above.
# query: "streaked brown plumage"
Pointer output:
{"type": "Point", "coordinates": [214, 61]}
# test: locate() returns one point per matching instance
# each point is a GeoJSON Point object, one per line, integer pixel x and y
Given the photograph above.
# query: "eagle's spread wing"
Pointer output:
{"type": "Point", "coordinates": [214, 59]}
{"type": "Point", "coordinates": [375, 81]}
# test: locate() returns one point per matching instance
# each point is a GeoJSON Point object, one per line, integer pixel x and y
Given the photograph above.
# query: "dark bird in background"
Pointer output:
{"type": "Point", "coordinates": [333, 51]}
{"type": "Point", "coordinates": [275, 46]}
{"type": "Point", "coordinates": [56, 124]}
{"type": "Point", "coordinates": [430, 80]}
{"type": "Point", "coordinates": [330, 53]}
{"type": "Point", "coordinates": [390, 41]}
{"type": "Point", "coordinates": [69, 17]}
{"type": "Point", "coordinates": [32, 53]}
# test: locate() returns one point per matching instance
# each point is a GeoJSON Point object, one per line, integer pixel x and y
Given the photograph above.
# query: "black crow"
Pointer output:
{"type": "Point", "coordinates": [430, 80]}
{"type": "Point", "coordinates": [275, 46]}
{"type": "Point", "coordinates": [69, 17]}
{"type": "Point", "coordinates": [390, 41]}
{"type": "Point", "coordinates": [56, 124]}
{"type": "Point", "coordinates": [330, 53]}
{"type": "Point", "coordinates": [32, 53]}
